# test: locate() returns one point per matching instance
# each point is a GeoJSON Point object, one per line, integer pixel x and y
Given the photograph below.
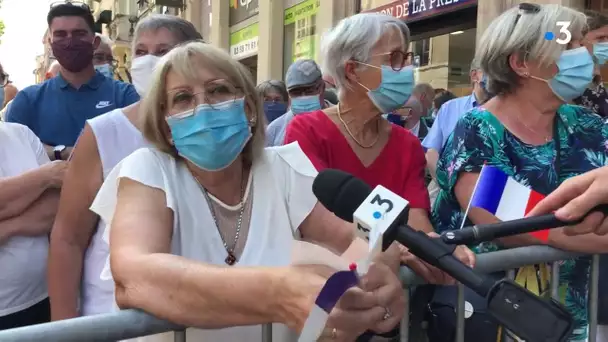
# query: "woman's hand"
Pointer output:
{"type": "Point", "coordinates": [378, 305]}
{"type": "Point", "coordinates": [575, 198]}
{"type": "Point", "coordinates": [430, 273]}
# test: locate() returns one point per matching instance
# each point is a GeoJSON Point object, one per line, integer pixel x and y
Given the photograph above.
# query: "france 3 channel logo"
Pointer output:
{"type": "Point", "coordinates": [564, 35]}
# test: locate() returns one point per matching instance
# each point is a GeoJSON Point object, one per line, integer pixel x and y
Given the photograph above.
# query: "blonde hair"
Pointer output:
{"type": "Point", "coordinates": [186, 60]}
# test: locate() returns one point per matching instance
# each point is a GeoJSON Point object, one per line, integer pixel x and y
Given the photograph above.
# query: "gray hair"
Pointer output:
{"type": "Point", "coordinates": [353, 38]}
{"type": "Point", "coordinates": [423, 88]}
{"type": "Point", "coordinates": [272, 85]}
{"type": "Point", "coordinates": [523, 34]}
{"type": "Point", "coordinates": [105, 40]}
{"type": "Point", "coordinates": [181, 29]}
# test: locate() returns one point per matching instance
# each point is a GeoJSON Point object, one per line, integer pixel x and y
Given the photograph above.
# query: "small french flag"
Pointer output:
{"type": "Point", "coordinates": [504, 197]}
{"type": "Point", "coordinates": [331, 292]}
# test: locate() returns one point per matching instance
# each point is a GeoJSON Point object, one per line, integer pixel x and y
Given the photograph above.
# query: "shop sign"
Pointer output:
{"type": "Point", "coordinates": [244, 42]}
{"type": "Point", "coordinates": [170, 3]}
{"type": "Point", "coordinates": [302, 10]}
{"type": "Point", "coordinates": [302, 16]}
{"type": "Point", "coordinates": [241, 10]}
{"type": "Point", "coordinates": [420, 9]}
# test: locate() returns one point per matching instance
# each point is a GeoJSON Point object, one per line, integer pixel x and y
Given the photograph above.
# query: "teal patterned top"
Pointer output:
{"type": "Point", "coordinates": [480, 138]}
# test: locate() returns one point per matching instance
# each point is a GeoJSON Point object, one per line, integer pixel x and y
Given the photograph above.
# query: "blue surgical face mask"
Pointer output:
{"type": "Point", "coordinates": [600, 50]}
{"type": "Point", "coordinates": [305, 104]}
{"type": "Point", "coordinates": [274, 109]}
{"type": "Point", "coordinates": [574, 76]}
{"type": "Point", "coordinates": [105, 69]}
{"type": "Point", "coordinates": [211, 137]}
{"type": "Point", "coordinates": [394, 89]}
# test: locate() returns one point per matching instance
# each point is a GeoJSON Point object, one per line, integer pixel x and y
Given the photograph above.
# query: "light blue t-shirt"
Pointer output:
{"type": "Point", "coordinates": [447, 117]}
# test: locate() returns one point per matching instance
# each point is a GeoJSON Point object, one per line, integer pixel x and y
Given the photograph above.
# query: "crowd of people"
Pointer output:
{"type": "Point", "coordinates": [186, 192]}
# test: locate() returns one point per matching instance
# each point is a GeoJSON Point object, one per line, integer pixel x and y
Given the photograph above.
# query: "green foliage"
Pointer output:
{"type": "Point", "coordinates": [1, 25]}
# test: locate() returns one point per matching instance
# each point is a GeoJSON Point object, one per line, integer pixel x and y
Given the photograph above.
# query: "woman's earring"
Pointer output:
{"type": "Point", "coordinates": [526, 74]}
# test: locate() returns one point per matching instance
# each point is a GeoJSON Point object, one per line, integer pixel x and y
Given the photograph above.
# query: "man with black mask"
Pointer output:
{"type": "Point", "coordinates": [56, 110]}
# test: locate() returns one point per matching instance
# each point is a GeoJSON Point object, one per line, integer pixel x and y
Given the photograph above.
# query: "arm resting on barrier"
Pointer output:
{"type": "Point", "coordinates": [74, 226]}
{"type": "Point", "coordinates": [36, 220]}
{"type": "Point", "coordinates": [187, 292]}
{"type": "Point", "coordinates": [584, 243]}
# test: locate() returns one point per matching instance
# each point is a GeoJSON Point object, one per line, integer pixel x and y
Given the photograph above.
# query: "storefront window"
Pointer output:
{"type": "Point", "coordinates": [445, 61]}
{"type": "Point", "coordinates": [300, 32]}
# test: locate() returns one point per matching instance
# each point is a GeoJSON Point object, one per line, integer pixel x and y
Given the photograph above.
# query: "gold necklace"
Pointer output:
{"type": "Point", "coordinates": [353, 136]}
{"type": "Point", "coordinates": [547, 138]}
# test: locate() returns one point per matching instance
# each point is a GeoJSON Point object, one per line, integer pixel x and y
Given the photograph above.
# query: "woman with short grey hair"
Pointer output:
{"type": "Point", "coordinates": [367, 56]}
{"type": "Point", "coordinates": [76, 239]}
{"type": "Point", "coordinates": [536, 61]}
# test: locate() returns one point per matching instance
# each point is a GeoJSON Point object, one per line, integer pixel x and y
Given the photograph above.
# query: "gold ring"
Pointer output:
{"type": "Point", "coordinates": [334, 333]}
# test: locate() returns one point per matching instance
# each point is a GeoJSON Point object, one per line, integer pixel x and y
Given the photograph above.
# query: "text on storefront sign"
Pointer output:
{"type": "Point", "coordinates": [413, 9]}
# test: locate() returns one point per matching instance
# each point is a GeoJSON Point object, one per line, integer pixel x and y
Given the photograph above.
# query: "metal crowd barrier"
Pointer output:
{"type": "Point", "coordinates": [134, 323]}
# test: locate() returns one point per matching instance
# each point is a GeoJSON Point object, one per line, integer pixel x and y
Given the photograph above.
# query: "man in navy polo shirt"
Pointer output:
{"type": "Point", "coordinates": [57, 109]}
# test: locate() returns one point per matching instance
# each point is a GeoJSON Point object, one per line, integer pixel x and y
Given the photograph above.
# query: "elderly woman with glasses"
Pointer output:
{"type": "Point", "coordinates": [529, 132]}
{"type": "Point", "coordinates": [366, 56]}
{"type": "Point", "coordinates": [203, 221]}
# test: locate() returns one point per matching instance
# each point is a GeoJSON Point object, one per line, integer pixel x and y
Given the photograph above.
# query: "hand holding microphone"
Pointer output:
{"type": "Point", "coordinates": [575, 198]}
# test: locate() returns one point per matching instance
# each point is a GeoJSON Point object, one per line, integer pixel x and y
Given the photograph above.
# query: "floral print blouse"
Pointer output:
{"type": "Point", "coordinates": [480, 138]}
{"type": "Point", "coordinates": [596, 99]}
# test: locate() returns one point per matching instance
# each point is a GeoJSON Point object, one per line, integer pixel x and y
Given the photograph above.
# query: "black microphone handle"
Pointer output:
{"type": "Point", "coordinates": [438, 254]}
{"type": "Point", "coordinates": [488, 232]}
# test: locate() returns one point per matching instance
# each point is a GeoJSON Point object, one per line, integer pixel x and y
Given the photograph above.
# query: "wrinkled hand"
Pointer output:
{"type": "Point", "coordinates": [430, 273]}
{"type": "Point", "coordinates": [378, 304]}
{"type": "Point", "coordinates": [574, 198]}
{"type": "Point", "coordinates": [55, 172]}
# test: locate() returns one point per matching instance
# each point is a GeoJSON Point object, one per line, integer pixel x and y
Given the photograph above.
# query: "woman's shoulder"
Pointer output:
{"type": "Point", "coordinates": [312, 119]}
{"type": "Point", "coordinates": [288, 157]}
{"type": "Point", "coordinates": [575, 116]}
{"type": "Point", "coordinates": [145, 157]}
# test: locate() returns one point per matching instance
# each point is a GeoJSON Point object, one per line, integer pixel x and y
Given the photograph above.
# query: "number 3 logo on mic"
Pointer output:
{"type": "Point", "coordinates": [376, 214]}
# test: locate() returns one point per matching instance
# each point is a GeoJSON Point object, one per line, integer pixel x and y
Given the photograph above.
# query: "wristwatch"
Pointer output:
{"type": "Point", "coordinates": [57, 150]}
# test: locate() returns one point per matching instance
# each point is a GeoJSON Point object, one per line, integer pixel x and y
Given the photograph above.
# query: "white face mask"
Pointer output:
{"type": "Point", "coordinates": [141, 72]}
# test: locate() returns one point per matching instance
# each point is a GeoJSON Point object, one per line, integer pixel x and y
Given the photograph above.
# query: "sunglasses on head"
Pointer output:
{"type": "Point", "coordinates": [78, 4]}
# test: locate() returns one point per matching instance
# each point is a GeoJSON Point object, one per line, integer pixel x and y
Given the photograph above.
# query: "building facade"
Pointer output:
{"type": "Point", "coordinates": [444, 32]}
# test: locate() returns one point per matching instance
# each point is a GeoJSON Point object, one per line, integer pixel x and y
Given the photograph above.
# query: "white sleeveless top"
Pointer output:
{"type": "Point", "coordinates": [116, 138]}
{"type": "Point", "coordinates": [282, 198]}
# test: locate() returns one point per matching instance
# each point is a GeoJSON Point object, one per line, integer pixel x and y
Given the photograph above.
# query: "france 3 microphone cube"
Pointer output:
{"type": "Point", "coordinates": [376, 214]}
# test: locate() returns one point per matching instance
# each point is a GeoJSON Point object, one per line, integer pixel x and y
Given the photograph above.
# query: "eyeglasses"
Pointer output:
{"type": "Point", "coordinates": [101, 58]}
{"type": "Point", "coordinates": [398, 59]}
{"type": "Point", "coordinates": [214, 93]}
{"type": "Point", "coordinates": [525, 8]}
{"type": "Point", "coordinates": [71, 3]}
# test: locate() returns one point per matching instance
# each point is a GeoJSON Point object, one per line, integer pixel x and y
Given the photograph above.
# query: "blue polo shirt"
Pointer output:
{"type": "Point", "coordinates": [56, 112]}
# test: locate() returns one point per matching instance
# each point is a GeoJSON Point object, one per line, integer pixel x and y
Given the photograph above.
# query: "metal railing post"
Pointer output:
{"type": "Point", "coordinates": [593, 297]}
{"type": "Point", "coordinates": [460, 307]}
{"type": "Point", "coordinates": [405, 321]}
{"type": "Point", "coordinates": [179, 336]}
{"type": "Point", "coordinates": [555, 280]}
{"type": "Point", "coordinates": [267, 332]}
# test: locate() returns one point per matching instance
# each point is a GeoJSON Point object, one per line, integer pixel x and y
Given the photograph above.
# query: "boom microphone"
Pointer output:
{"type": "Point", "coordinates": [488, 232]}
{"type": "Point", "coordinates": [381, 213]}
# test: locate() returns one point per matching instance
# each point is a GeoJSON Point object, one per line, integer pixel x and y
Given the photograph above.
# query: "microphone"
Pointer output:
{"type": "Point", "coordinates": [383, 213]}
{"type": "Point", "coordinates": [488, 232]}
